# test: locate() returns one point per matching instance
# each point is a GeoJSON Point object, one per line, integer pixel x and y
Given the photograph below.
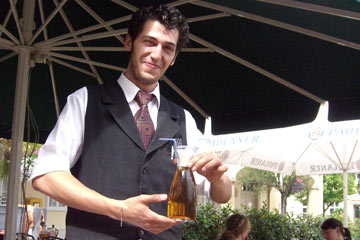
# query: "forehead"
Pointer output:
{"type": "Point", "coordinates": [158, 31]}
{"type": "Point", "coordinates": [329, 231]}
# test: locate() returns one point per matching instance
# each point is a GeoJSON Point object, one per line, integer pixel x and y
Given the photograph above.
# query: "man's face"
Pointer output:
{"type": "Point", "coordinates": [331, 234]}
{"type": "Point", "coordinates": [152, 52]}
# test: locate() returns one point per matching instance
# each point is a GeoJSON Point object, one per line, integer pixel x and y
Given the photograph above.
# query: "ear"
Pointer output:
{"type": "Point", "coordinates": [128, 42]}
{"type": "Point", "coordinates": [173, 61]}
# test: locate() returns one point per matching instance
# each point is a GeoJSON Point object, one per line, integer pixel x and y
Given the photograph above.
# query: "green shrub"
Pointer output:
{"type": "Point", "coordinates": [209, 222]}
{"type": "Point", "coordinates": [265, 224]}
{"type": "Point", "coordinates": [306, 227]}
{"type": "Point", "coordinates": [268, 225]}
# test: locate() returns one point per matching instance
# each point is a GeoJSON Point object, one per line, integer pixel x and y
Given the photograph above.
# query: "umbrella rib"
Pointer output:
{"type": "Point", "coordinates": [79, 43]}
{"type": "Point", "coordinates": [352, 153]}
{"type": "Point", "coordinates": [51, 16]}
{"type": "Point", "coordinates": [208, 17]}
{"type": "Point", "coordinates": [42, 16]}
{"type": "Point", "coordinates": [179, 2]}
{"type": "Point", "coordinates": [6, 20]}
{"type": "Point", "coordinates": [90, 37]}
{"type": "Point", "coordinates": [81, 31]}
{"type": "Point", "coordinates": [117, 49]}
{"type": "Point", "coordinates": [197, 50]}
{"type": "Point", "coordinates": [76, 59]}
{"type": "Point", "coordinates": [6, 57]}
{"type": "Point", "coordinates": [53, 59]}
{"type": "Point", "coordinates": [256, 68]}
{"type": "Point", "coordinates": [103, 49]}
{"type": "Point", "coordinates": [321, 151]}
{"type": "Point", "coordinates": [315, 8]}
{"type": "Point", "coordinates": [56, 99]}
{"type": "Point", "coordinates": [302, 153]}
{"type": "Point", "coordinates": [184, 96]}
{"type": "Point", "coordinates": [98, 18]}
{"type": "Point", "coordinates": [337, 155]}
{"type": "Point", "coordinates": [17, 22]}
{"type": "Point", "coordinates": [7, 43]}
{"type": "Point", "coordinates": [51, 67]}
{"type": "Point", "coordinates": [279, 24]}
{"type": "Point", "coordinates": [9, 34]}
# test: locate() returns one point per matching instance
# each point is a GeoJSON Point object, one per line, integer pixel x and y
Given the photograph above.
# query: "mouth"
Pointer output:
{"type": "Point", "coordinates": [152, 65]}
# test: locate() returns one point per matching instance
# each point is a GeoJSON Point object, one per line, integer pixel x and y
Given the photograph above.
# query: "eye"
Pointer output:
{"type": "Point", "coordinates": [169, 49]}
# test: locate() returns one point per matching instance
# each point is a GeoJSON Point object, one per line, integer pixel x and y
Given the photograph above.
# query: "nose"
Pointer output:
{"type": "Point", "coordinates": [156, 52]}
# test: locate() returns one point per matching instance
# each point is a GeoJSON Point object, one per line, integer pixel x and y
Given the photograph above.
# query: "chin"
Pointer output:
{"type": "Point", "coordinates": [150, 78]}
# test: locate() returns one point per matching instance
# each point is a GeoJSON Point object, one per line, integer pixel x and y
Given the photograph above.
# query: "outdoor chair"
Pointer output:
{"type": "Point", "coordinates": [24, 236]}
{"type": "Point", "coordinates": [52, 238]}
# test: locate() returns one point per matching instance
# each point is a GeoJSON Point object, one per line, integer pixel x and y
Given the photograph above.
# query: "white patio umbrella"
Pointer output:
{"type": "Point", "coordinates": [316, 148]}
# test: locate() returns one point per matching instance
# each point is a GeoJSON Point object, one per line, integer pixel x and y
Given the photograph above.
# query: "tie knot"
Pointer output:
{"type": "Point", "coordinates": [143, 98]}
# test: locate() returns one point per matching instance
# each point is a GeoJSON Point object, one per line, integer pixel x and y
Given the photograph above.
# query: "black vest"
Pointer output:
{"type": "Point", "coordinates": [114, 163]}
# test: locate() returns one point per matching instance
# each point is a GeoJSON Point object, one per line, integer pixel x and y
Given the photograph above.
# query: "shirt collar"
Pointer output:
{"type": "Point", "coordinates": [130, 90]}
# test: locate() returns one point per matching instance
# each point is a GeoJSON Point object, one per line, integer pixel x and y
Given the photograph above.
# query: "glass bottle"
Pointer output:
{"type": "Point", "coordinates": [182, 195]}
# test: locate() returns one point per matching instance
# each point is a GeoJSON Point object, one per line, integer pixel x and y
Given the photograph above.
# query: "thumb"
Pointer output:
{"type": "Point", "coordinates": [154, 198]}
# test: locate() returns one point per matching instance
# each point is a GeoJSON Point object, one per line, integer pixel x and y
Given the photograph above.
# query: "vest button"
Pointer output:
{"type": "Point", "coordinates": [145, 171]}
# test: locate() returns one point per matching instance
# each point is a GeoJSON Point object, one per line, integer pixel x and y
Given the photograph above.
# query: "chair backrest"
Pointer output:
{"type": "Point", "coordinates": [37, 220]}
{"type": "Point", "coordinates": [2, 216]}
{"type": "Point", "coordinates": [24, 236]}
{"type": "Point", "coordinates": [20, 219]}
{"type": "Point", "coordinates": [52, 238]}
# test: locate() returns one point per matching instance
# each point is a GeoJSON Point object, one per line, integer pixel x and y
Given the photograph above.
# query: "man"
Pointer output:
{"type": "Point", "coordinates": [95, 161]}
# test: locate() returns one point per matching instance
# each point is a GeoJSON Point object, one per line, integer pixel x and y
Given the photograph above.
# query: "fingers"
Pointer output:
{"type": "Point", "coordinates": [137, 212]}
{"type": "Point", "coordinates": [206, 160]}
{"type": "Point", "coordinates": [154, 198]}
{"type": "Point", "coordinates": [209, 165]}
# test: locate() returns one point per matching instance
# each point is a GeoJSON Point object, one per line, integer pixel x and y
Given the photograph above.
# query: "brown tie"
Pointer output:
{"type": "Point", "coordinates": [143, 119]}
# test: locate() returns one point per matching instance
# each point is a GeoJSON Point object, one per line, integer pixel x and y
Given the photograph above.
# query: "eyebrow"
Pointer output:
{"type": "Point", "coordinates": [155, 39]}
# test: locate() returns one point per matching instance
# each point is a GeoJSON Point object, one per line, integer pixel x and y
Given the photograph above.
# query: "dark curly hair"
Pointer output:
{"type": "Point", "coordinates": [332, 223]}
{"type": "Point", "coordinates": [170, 17]}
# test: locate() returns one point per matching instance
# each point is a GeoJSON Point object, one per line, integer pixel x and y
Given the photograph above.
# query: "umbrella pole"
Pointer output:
{"type": "Point", "coordinates": [17, 135]}
{"type": "Point", "coordinates": [345, 177]}
{"type": "Point", "coordinates": [16, 142]}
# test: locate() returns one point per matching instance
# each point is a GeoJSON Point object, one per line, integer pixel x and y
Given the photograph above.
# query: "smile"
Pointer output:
{"type": "Point", "coordinates": [151, 65]}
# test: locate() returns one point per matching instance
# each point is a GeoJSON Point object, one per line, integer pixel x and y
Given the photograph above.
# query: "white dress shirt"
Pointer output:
{"type": "Point", "coordinates": [64, 145]}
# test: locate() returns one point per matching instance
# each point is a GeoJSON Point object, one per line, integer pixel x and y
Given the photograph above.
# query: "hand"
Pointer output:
{"type": "Point", "coordinates": [137, 212]}
{"type": "Point", "coordinates": [209, 165]}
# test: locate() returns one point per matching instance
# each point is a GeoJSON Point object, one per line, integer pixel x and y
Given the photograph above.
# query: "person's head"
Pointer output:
{"type": "Point", "coordinates": [334, 230]}
{"type": "Point", "coordinates": [156, 34]}
{"type": "Point", "coordinates": [237, 228]}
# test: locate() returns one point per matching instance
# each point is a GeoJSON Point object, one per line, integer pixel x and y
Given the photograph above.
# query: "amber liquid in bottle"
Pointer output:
{"type": "Point", "coordinates": [182, 196]}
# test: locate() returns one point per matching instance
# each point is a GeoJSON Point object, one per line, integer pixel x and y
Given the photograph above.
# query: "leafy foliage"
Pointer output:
{"type": "Point", "coordinates": [354, 227]}
{"type": "Point", "coordinates": [209, 222]}
{"type": "Point", "coordinates": [306, 227]}
{"type": "Point", "coordinates": [334, 188]}
{"type": "Point", "coordinates": [265, 224]}
{"type": "Point", "coordinates": [259, 181]}
{"type": "Point", "coordinates": [268, 225]}
{"type": "Point", "coordinates": [30, 152]}
{"type": "Point", "coordinates": [4, 157]}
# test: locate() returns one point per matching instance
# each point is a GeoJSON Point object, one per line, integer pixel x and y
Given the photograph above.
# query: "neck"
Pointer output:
{"type": "Point", "coordinates": [146, 87]}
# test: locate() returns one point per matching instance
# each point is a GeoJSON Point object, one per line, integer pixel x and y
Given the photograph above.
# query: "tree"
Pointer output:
{"type": "Point", "coordinates": [334, 189]}
{"type": "Point", "coordinates": [30, 151]}
{"type": "Point", "coordinates": [259, 181]}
